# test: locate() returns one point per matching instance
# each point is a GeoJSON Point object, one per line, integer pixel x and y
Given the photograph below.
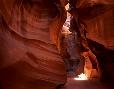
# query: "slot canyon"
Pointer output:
{"type": "Point", "coordinates": [56, 44]}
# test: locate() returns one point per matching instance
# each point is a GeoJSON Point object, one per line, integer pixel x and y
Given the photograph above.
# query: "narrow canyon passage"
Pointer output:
{"type": "Point", "coordinates": [45, 44]}
{"type": "Point", "coordinates": [89, 79]}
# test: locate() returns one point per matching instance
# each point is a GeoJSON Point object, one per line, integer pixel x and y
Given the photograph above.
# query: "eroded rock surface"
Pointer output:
{"type": "Point", "coordinates": [29, 57]}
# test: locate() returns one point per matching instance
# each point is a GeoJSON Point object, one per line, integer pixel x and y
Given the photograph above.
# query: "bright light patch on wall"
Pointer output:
{"type": "Point", "coordinates": [67, 6]}
{"type": "Point", "coordinates": [66, 25]}
{"type": "Point", "coordinates": [81, 77]}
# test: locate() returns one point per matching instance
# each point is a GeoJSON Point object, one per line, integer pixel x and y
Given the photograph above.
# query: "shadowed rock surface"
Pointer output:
{"type": "Point", "coordinates": [29, 58]}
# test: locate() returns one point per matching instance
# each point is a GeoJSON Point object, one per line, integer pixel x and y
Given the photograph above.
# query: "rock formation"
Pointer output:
{"type": "Point", "coordinates": [98, 16]}
{"type": "Point", "coordinates": [30, 40]}
{"type": "Point", "coordinates": [29, 58]}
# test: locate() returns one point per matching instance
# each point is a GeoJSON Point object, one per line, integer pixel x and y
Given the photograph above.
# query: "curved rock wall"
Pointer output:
{"type": "Point", "coordinates": [29, 58]}
{"type": "Point", "coordinates": [97, 16]}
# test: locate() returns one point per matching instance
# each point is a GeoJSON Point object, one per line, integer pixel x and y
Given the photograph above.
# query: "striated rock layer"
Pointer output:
{"type": "Point", "coordinates": [29, 57]}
